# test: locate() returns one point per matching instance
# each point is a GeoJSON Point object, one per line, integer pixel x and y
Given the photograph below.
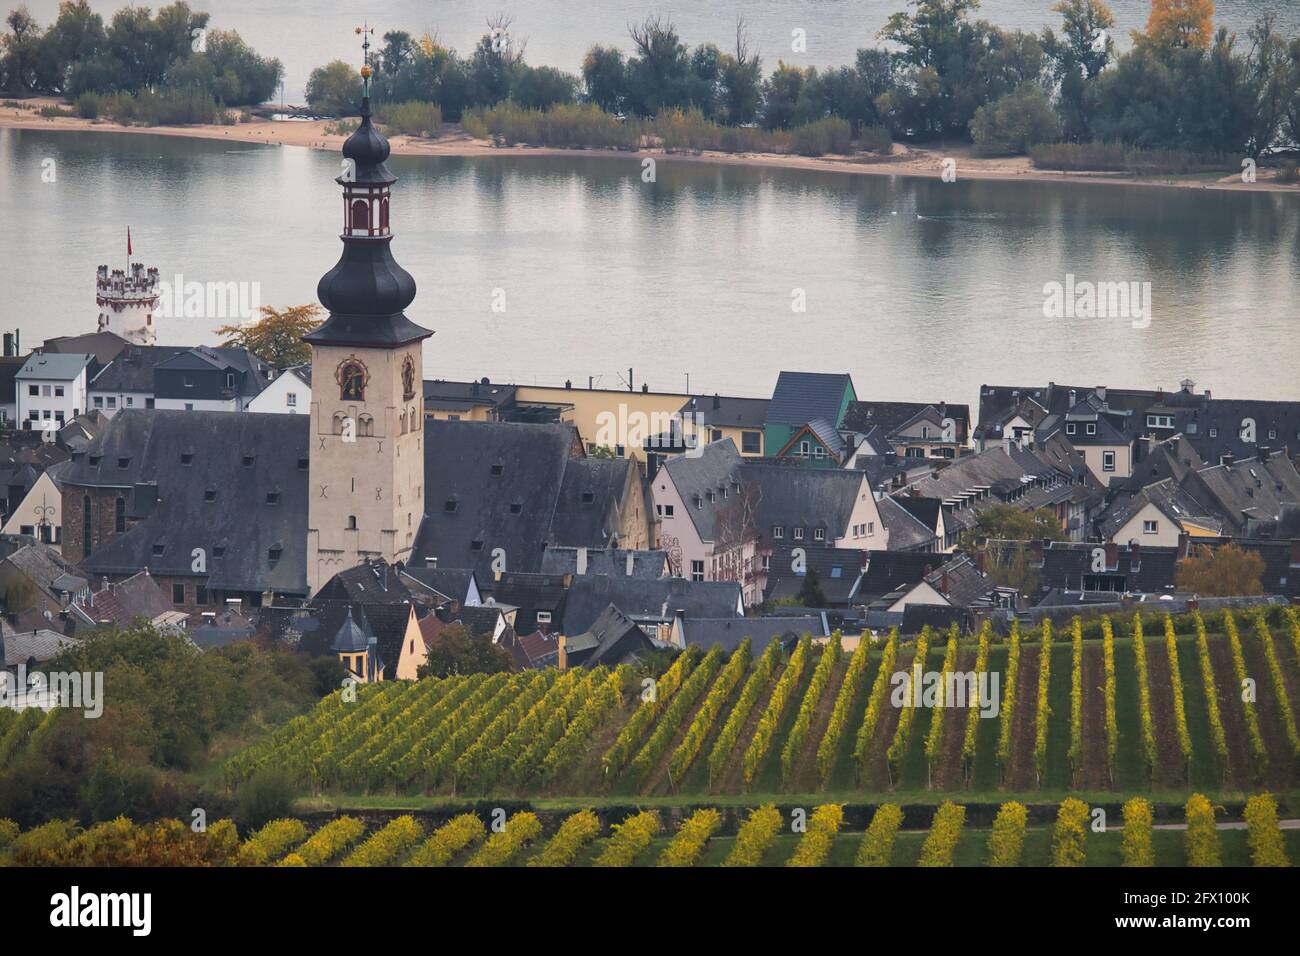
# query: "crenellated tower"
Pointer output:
{"type": "Point", "coordinates": [367, 415]}
{"type": "Point", "coordinates": [127, 302]}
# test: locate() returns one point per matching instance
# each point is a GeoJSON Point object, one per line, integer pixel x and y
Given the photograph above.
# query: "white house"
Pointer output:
{"type": "Point", "coordinates": [51, 387]}
{"type": "Point", "coordinates": [40, 514]}
{"type": "Point", "coordinates": [289, 394]}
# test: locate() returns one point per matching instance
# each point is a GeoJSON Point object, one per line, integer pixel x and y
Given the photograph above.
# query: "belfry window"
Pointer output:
{"type": "Point", "coordinates": [383, 214]}
{"type": "Point", "coordinates": [360, 215]}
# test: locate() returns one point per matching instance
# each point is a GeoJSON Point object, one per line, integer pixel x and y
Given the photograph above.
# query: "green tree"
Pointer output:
{"type": "Point", "coordinates": [334, 89]}
{"type": "Point", "coordinates": [604, 75]}
{"type": "Point", "coordinates": [22, 52]}
{"type": "Point", "coordinates": [1005, 522]}
{"type": "Point", "coordinates": [1077, 58]}
{"type": "Point", "coordinates": [1015, 122]}
{"type": "Point", "coordinates": [456, 651]}
{"type": "Point", "coordinates": [541, 87]}
{"type": "Point", "coordinates": [276, 338]}
{"type": "Point", "coordinates": [810, 592]}
{"type": "Point", "coordinates": [658, 75]}
{"type": "Point", "coordinates": [781, 93]}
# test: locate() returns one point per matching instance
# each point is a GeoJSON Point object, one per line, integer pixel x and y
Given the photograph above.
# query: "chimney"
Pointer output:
{"type": "Point", "coordinates": [943, 583]}
{"type": "Point", "coordinates": [679, 624]}
{"type": "Point", "coordinates": [1112, 555]}
{"type": "Point", "coordinates": [1183, 542]}
{"type": "Point", "coordinates": [431, 562]}
{"type": "Point", "coordinates": [717, 401]}
{"type": "Point", "coordinates": [1264, 452]}
{"type": "Point", "coordinates": [1101, 392]}
{"type": "Point", "coordinates": [1295, 553]}
{"type": "Point", "coordinates": [582, 561]}
{"type": "Point", "coordinates": [630, 562]}
{"type": "Point", "coordinates": [496, 575]}
{"type": "Point", "coordinates": [562, 657]}
{"type": "Point", "coordinates": [981, 561]}
{"type": "Point", "coordinates": [1036, 552]}
{"type": "Point", "coordinates": [1073, 398]}
{"type": "Point", "coordinates": [568, 383]}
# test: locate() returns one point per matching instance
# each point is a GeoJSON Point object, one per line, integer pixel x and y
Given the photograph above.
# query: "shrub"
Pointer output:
{"type": "Point", "coordinates": [1007, 838]}
{"type": "Point", "coordinates": [1014, 123]}
{"type": "Point", "coordinates": [502, 847]}
{"type": "Point", "coordinates": [8, 833]}
{"type": "Point", "coordinates": [945, 831]}
{"type": "Point", "coordinates": [1201, 838]}
{"type": "Point", "coordinates": [386, 846]}
{"type": "Point", "coordinates": [907, 713]}
{"type": "Point", "coordinates": [755, 837]}
{"type": "Point", "coordinates": [876, 139]}
{"type": "Point", "coordinates": [1070, 836]}
{"type": "Point", "coordinates": [267, 795]}
{"type": "Point", "coordinates": [877, 847]}
{"type": "Point", "coordinates": [451, 838]}
{"type": "Point", "coordinates": [1138, 848]}
{"type": "Point", "coordinates": [412, 118]}
{"type": "Point", "coordinates": [1116, 157]}
{"type": "Point", "coordinates": [577, 830]}
{"type": "Point", "coordinates": [1267, 847]}
{"type": "Point", "coordinates": [692, 837]}
{"type": "Point", "coordinates": [50, 112]}
{"type": "Point", "coordinates": [630, 839]}
{"type": "Point", "coordinates": [330, 840]}
{"type": "Point", "coordinates": [1042, 709]}
{"type": "Point", "coordinates": [829, 135]}
{"type": "Point", "coordinates": [817, 841]}
{"type": "Point", "coordinates": [272, 841]}
{"type": "Point", "coordinates": [88, 105]}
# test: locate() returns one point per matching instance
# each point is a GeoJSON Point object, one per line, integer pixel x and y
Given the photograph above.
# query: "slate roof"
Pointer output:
{"type": "Point", "coordinates": [491, 485]}
{"type": "Point", "coordinates": [102, 346]}
{"type": "Point", "coordinates": [961, 582]}
{"type": "Point", "coordinates": [1255, 494]}
{"type": "Point", "coordinates": [40, 645]}
{"type": "Point", "coordinates": [53, 366]}
{"type": "Point", "coordinates": [646, 600]}
{"type": "Point", "coordinates": [730, 633]}
{"type": "Point", "coordinates": [451, 583]}
{"type": "Point", "coordinates": [619, 640]}
{"type": "Point", "coordinates": [590, 489]}
{"type": "Point", "coordinates": [838, 572]}
{"type": "Point", "coordinates": [139, 597]}
{"type": "Point", "coordinates": [530, 593]}
{"type": "Point", "coordinates": [888, 571]}
{"type": "Point", "coordinates": [1175, 503]}
{"type": "Point", "coordinates": [142, 452]}
{"type": "Point", "coordinates": [223, 630]}
{"type": "Point", "coordinates": [133, 369]}
{"type": "Point", "coordinates": [801, 397]}
{"type": "Point", "coordinates": [611, 561]}
{"type": "Point", "coordinates": [906, 532]}
{"type": "Point", "coordinates": [998, 402]}
{"type": "Point", "coordinates": [722, 411]}
{"type": "Point", "coordinates": [254, 375]}
{"type": "Point", "coordinates": [46, 569]}
{"type": "Point", "coordinates": [442, 394]}
{"type": "Point", "coordinates": [892, 417]}
{"type": "Point", "coordinates": [1068, 565]}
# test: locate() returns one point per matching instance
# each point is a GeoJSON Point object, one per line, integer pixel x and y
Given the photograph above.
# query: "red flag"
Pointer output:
{"type": "Point", "coordinates": [128, 240]}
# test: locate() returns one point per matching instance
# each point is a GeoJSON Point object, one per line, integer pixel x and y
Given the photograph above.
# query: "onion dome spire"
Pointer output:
{"type": "Point", "coordinates": [366, 291]}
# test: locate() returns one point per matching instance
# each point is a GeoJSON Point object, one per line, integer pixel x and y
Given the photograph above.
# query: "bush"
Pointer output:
{"type": "Point", "coordinates": [1116, 157]}
{"type": "Point", "coordinates": [692, 837]}
{"type": "Point", "coordinates": [945, 831]}
{"type": "Point", "coordinates": [1267, 847]}
{"type": "Point", "coordinates": [877, 847]}
{"type": "Point", "coordinates": [830, 135]}
{"type": "Point", "coordinates": [1138, 848]}
{"type": "Point", "coordinates": [455, 835]}
{"type": "Point", "coordinates": [1070, 837]}
{"type": "Point", "coordinates": [88, 105]}
{"type": "Point", "coordinates": [875, 139]}
{"type": "Point", "coordinates": [267, 795]}
{"type": "Point", "coordinates": [630, 839]}
{"type": "Point", "coordinates": [501, 848]}
{"type": "Point", "coordinates": [1014, 123]}
{"type": "Point", "coordinates": [388, 845]}
{"type": "Point", "coordinates": [1007, 838]}
{"type": "Point", "coordinates": [1201, 838]}
{"type": "Point", "coordinates": [755, 837]}
{"type": "Point", "coordinates": [272, 841]}
{"type": "Point", "coordinates": [330, 840]}
{"type": "Point", "coordinates": [577, 830]}
{"type": "Point", "coordinates": [817, 842]}
{"type": "Point", "coordinates": [412, 118]}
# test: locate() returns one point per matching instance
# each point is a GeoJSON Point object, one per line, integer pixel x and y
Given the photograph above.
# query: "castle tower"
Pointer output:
{"type": "Point", "coordinates": [367, 413]}
{"type": "Point", "coordinates": [127, 302]}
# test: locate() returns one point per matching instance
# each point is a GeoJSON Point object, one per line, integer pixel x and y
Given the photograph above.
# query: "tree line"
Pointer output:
{"type": "Point", "coordinates": [942, 74]}
{"type": "Point", "coordinates": [170, 52]}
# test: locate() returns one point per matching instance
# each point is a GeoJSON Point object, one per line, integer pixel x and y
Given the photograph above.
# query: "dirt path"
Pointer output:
{"type": "Point", "coordinates": [657, 780]}
{"type": "Point", "coordinates": [1280, 758]}
{"type": "Point", "coordinates": [805, 778]}
{"type": "Point", "coordinates": [732, 779]}
{"type": "Point", "coordinates": [1023, 720]}
{"type": "Point", "coordinates": [947, 775]}
{"type": "Point", "coordinates": [1093, 774]}
{"type": "Point", "coordinates": [1170, 770]}
{"type": "Point", "coordinates": [875, 775]}
{"type": "Point", "coordinates": [1230, 712]}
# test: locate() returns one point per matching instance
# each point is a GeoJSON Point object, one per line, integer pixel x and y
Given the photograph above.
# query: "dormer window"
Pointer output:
{"type": "Point", "coordinates": [210, 495]}
{"type": "Point", "coordinates": [1092, 428]}
{"type": "Point", "coordinates": [476, 545]}
{"type": "Point", "coordinates": [248, 460]}
{"type": "Point", "coordinates": [798, 534]}
{"type": "Point", "coordinates": [159, 550]}
{"type": "Point", "coordinates": [449, 505]}
{"type": "Point", "coordinates": [516, 507]}
{"type": "Point", "coordinates": [187, 458]}
{"type": "Point", "coordinates": [273, 553]}
{"type": "Point", "coordinates": [273, 497]}
{"type": "Point", "coordinates": [497, 470]}
{"type": "Point", "coordinates": [819, 534]}
{"type": "Point", "coordinates": [778, 532]}
{"type": "Point", "coordinates": [124, 463]}
{"type": "Point", "coordinates": [588, 497]}
{"type": "Point", "coordinates": [219, 551]}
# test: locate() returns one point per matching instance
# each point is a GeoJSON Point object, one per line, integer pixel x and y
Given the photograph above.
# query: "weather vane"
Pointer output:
{"type": "Point", "coordinates": [365, 33]}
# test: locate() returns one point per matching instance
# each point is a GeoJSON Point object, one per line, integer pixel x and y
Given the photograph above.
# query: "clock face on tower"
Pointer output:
{"type": "Point", "coordinates": [408, 379]}
{"type": "Point", "coordinates": [352, 378]}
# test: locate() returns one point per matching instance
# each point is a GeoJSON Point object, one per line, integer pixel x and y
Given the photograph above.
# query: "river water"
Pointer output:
{"type": "Point", "coordinates": [921, 289]}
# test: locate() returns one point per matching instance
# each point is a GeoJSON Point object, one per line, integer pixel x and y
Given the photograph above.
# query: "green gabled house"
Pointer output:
{"type": "Point", "coordinates": [801, 400]}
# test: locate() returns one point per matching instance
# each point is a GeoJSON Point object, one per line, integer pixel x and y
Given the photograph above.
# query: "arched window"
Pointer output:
{"type": "Point", "coordinates": [360, 214]}
{"type": "Point", "coordinates": [339, 419]}
{"type": "Point", "coordinates": [352, 377]}
{"type": "Point", "coordinates": [383, 214]}
{"type": "Point", "coordinates": [366, 426]}
{"type": "Point", "coordinates": [401, 424]}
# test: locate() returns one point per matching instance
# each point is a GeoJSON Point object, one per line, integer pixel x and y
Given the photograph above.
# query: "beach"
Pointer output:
{"type": "Point", "coordinates": [452, 141]}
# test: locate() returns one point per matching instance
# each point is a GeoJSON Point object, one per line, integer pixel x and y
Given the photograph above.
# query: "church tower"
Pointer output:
{"type": "Point", "coordinates": [367, 412]}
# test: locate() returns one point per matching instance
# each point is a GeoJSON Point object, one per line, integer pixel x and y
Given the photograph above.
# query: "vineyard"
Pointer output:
{"type": "Point", "coordinates": [1070, 835]}
{"type": "Point", "coordinates": [1130, 706]}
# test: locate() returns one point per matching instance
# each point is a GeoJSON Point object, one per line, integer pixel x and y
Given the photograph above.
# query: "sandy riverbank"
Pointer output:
{"type": "Point", "coordinates": [907, 161]}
